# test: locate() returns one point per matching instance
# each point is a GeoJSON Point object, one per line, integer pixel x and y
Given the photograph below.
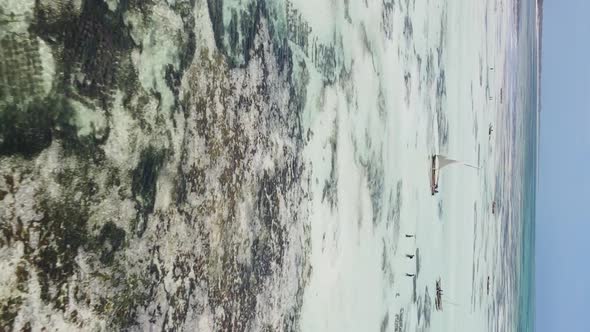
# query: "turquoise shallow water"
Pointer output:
{"type": "Point", "coordinates": [528, 58]}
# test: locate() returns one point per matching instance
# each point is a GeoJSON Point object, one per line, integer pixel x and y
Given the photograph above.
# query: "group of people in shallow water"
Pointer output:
{"type": "Point", "coordinates": [410, 257]}
{"type": "Point", "coordinates": [439, 292]}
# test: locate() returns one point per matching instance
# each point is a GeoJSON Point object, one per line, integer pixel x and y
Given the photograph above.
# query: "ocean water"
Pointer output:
{"type": "Point", "coordinates": [465, 66]}
{"type": "Point", "coordinates": [529, 58]}
{"type": "Point", "coordinates": [252, 165]}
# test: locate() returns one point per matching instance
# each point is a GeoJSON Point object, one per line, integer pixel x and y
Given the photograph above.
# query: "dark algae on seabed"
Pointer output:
{"type": "Point", "coordinates": [133, 192]}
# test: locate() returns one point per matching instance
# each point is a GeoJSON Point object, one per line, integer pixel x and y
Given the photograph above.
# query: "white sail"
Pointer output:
{"type": "Point", "coordinates": [438, 162]}
{"type": "Point", "coordinates": [444, 161]}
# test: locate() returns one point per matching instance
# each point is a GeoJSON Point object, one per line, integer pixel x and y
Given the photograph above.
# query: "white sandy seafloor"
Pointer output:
{"type": "Point", "coordinates": [384, 115]}
{"type": "Point", "coordinates": [256, 165]}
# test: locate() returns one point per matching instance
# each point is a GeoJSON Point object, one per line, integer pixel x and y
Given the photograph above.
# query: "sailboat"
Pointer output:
{"type": "Point", "coordinates": [438, 163]}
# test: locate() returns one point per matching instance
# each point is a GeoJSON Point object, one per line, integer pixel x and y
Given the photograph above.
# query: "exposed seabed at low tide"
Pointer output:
{"type": "Point", "coordinates": [256, 165]}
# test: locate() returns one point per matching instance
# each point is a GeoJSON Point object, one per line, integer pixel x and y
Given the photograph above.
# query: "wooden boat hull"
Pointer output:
{"type": "Point", "coordinates": [433, 175]}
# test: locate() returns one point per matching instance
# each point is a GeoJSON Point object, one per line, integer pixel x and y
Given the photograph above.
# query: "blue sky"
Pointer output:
{"type": "Point", "coordinates": [563, 197]}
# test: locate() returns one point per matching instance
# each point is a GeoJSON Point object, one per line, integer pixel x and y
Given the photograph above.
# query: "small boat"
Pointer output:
{"type": "Point", "coordinates": [433, 176]}
{"type": "Point", "coordinates": [438, 162]}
